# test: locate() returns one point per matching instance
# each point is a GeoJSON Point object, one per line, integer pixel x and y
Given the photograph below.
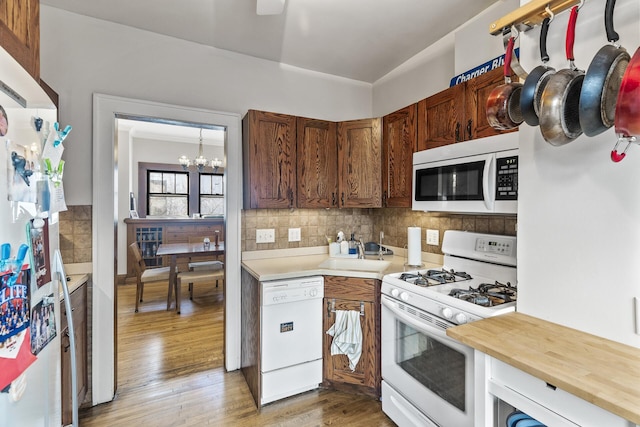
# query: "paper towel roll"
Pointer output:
{"type": "Point", "coordinates": [414, 246]}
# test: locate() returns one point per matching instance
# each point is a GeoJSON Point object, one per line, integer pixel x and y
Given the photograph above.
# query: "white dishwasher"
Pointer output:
{"type": "Point", "coordinates": [291, 337]}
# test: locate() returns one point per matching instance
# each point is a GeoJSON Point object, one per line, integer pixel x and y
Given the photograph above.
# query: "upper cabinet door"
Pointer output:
{"type": "Point", "coordinates": [317, 172]}
{"type": "Point", "coordinates": [399, 136]}
{"type": "Point", "coordinates": [360, 163]}
{"type": "Point", "coordinates": [269, 160]}
{"type": "Point", "coordinates": [20, 33]}
{"type": "Point", "coordinates": [440, 118]}
{"type": "Point", "coordinates": [477, 93]}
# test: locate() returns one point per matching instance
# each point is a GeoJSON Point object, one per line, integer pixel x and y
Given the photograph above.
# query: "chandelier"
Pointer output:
{"type": "Point", "coordinates": [201, 161]}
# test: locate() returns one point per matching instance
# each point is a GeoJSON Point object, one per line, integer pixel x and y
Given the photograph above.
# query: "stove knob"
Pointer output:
{"type": "Point", "coordinates": [461, 318]}
{"type": "Point", "coordinates": [395, 293]}
{"type": "Point", "coordinates": [313, 292]}
{"type": "Point", "coordinates": [404, 296]}
{"type": "Point", "coordinates": [447, 313]}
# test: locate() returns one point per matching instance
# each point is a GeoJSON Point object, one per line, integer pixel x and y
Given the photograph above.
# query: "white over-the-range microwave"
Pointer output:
{"type": "Point", "coordinates": [478, 176]}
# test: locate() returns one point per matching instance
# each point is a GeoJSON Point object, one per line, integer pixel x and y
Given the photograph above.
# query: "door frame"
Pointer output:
{"type": "Point", "coordinates": [105, 224]}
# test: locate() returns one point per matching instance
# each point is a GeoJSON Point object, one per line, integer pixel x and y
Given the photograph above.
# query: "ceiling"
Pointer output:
{"type": "Point", "coordinates": [357, 39]}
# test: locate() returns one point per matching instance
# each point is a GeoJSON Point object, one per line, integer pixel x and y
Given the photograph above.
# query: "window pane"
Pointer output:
{"type": "Point", "coordinates": [217, 184]}
{"type": "Point", "coordinates": [168, 205]}
{"type": "Point", "coordinates": [182, 183]}
{"type": "Point", "coordinates": [177, 206]}
{"type": "Point", "coordinates": [155, 182]}
{"type": "Point", "coordinates": [169, 183]}
{"type": "Point", "coordinates": [205, 184]}
{"type": "Point", "coordinates": [157, 205]}
{"type": "Point", "coordinates": [211, 205]}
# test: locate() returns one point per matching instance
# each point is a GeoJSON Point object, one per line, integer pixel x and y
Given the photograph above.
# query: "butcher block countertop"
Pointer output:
{"type": "Point", "coordinates": [600, 371]}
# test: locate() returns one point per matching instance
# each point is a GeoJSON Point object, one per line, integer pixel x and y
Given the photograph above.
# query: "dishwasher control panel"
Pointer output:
{"type": "Point", "coordinates": [285, 291]}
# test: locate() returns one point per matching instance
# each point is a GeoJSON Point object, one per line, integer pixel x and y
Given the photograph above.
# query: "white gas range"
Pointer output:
{"type": "Point", "coordinates": [427, 376]}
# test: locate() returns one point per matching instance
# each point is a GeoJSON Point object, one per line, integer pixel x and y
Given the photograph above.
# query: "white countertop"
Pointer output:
{"type": "Point", "coordinates": [289, 263]}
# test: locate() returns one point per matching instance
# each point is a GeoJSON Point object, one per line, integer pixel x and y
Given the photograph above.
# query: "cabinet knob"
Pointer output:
{"type": "Point", "coordinates": [458, 132]}
{"type": "Point", "coordinates": [343, 198]}
{"type": "Point", "coordinates": [469, 123]}
{"type": "Point", "coordinates": [333, 199]}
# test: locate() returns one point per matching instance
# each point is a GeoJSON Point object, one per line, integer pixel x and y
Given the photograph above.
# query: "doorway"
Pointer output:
{"type": "Point", "coordinates": [106, 225]}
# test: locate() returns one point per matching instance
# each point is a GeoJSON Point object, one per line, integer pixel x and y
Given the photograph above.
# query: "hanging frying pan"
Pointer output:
{"type": "Point", "coordinates": [503, 103]}
{"type": "Point", "coordinates": [536, 81]}
{"type": "Point", "coordinates": [627, 116]}
{"type": "Point", "coordinates": [602, 81]}
{"type": "Point", "coordinates": [559, 122]}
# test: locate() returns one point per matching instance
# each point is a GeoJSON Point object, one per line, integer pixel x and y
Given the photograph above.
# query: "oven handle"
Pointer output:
{"type": "Point", "coordinates": [422, 327]}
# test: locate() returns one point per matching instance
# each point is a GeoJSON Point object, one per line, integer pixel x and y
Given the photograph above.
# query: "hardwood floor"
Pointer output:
{"type": "Point", "coordinates": [171, 373]}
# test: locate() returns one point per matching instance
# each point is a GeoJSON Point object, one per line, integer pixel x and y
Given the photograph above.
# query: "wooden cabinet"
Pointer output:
{"type": "Point", "coordinates": [336, 165]}
{"type": "Point", "coordinates": [269, 157]}
{"type": "Point", "coordinates": [362, 295]}
{"type": "Point", "coordinates": [79, 316]}
{"type": "Point", "coordinates": [150, 233]}
{"type": "Point", "coordinates": [20, 33]}
{"type": "Point", "coordinates": [317, 160]}
{"type": "Point", "coordinates": [399, 137]}
{"type": "Point", "coordinates": [360, 163]}
{"type": "Point", "coordinates": [457, 114]}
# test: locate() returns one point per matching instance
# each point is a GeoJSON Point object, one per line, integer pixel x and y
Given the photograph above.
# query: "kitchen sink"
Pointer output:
{"type": "Point", "coordinates": [355, 264]}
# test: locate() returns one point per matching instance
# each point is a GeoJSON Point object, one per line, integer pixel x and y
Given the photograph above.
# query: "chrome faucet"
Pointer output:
{"type": "Point", "coordinates": [380, 248]}
{"type": "Point", "coordinates": [360, 247]}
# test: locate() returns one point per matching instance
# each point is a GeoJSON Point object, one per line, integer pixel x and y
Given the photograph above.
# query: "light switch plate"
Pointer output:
{"type": "Point", "coordinates": [433, 237]}
{"type": "Point", "coordinates": [265, 235]}
{"type": "Point", "coordinates": [294, 234]}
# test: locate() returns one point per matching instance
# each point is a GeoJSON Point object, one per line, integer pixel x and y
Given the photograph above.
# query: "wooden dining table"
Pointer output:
{"type": "Point", "coordinates": [185, 250]}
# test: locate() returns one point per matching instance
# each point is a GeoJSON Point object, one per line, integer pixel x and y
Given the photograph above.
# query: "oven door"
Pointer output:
{"type": "Point", "coordinates": [429, 369]}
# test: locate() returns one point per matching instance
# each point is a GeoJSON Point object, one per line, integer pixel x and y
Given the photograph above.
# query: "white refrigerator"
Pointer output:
{"type": "Point", "coordinates": [30, 380]}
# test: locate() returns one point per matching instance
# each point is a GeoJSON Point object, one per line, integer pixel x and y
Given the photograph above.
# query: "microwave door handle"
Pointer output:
{"type": "Point", "coordinates": [489, 181]}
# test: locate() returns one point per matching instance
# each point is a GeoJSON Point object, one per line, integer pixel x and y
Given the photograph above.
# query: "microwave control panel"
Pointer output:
{"type": "Point", "coordinates": [507, 178]}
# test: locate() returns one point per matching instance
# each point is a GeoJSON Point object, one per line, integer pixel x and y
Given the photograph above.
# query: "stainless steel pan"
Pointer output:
{"type": "Point", "coordinates": [536, 81]}
{"type": "Point", "coordinates": [559, 121]}
{"type": "Point", "coordinates": [602, 81]}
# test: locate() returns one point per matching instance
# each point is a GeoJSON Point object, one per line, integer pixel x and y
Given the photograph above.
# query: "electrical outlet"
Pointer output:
{"type": "Point", "coordinates": [294, 234]}
{"type": "Point", "coordinates": [265, 235]}
{"type": "Point", "coordinates": [433, 237]}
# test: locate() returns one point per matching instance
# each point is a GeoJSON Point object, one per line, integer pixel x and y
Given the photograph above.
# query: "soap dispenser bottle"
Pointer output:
{"type": "Point", "coordinates": [352, 245]}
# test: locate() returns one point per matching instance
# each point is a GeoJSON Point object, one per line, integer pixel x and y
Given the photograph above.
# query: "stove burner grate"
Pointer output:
{"type": "Point", "coordinates": [487, 294]}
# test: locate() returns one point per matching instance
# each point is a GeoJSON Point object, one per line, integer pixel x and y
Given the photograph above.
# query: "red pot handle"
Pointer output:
{"type": "Point", "coordinates": [571, 33]}
{"type": "Point", "coordinates": [616, 156]}
{"type": "Point", "coordinates": [507, 58]}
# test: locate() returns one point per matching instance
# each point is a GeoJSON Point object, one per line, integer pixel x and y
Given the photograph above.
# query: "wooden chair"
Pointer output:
{"type": "Point", "coordinates": [193, 277]}
{"type": "Point", "coordinates": [209, 265]}
{"type": "Point", "coordinates": [144, 274]}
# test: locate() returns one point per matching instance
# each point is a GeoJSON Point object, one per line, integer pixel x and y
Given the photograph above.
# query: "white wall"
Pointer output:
{"type": "Point", "coordinates": [81, 55]}
{"type": "Point", "coordinates": [578, 228]}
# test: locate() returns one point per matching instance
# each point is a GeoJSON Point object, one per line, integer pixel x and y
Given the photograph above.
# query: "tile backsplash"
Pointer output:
{"type": "Point", "coordinates": [365, 223]}
{"type": "Point", "coordinates": [75, 234]}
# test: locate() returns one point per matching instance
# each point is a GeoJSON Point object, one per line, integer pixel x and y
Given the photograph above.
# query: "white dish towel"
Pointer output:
{"type": "Point", "coordinates": [347, 336]}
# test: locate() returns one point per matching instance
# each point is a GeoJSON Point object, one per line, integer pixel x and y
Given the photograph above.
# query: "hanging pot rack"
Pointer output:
{"type": "Point", "coordinates": [531, 14]}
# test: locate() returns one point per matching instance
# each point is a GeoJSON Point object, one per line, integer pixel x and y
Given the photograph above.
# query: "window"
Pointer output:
{"type": "Point", "coordinates": [211, 197]}
{"type": "Point", "coordinates": [168, 193]}
{"type": "Point", "coordinates": [168, 190]}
